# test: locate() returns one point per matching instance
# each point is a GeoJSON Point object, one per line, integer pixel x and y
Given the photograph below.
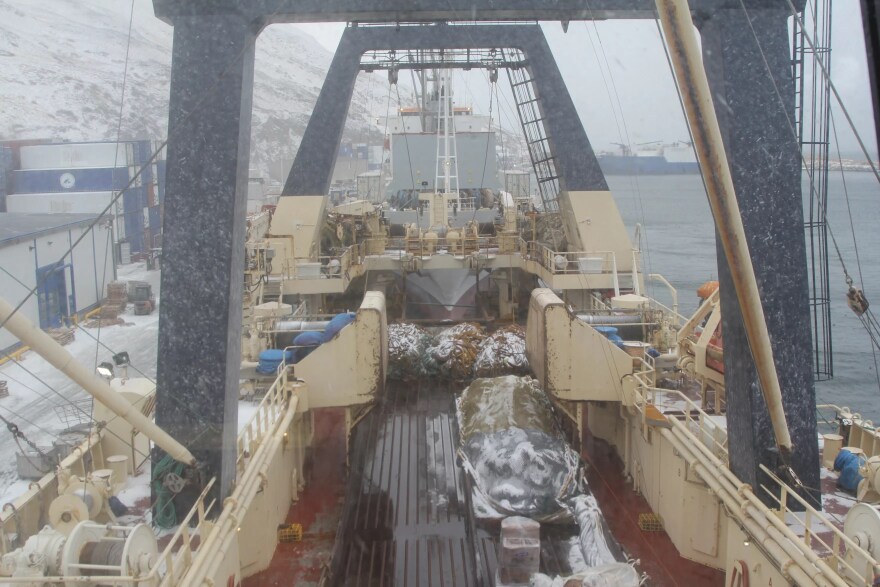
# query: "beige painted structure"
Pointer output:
{"type": "Point", "coordinates": [677, 459]}
{"type": "Point", "coordinates": [359, 356]}
{"type": "Point", "coordinates": [569, 357]}
{"type": "Point", "coordinates": [295, 229]}
{"type": "Point", "coordinates": [593, 223]}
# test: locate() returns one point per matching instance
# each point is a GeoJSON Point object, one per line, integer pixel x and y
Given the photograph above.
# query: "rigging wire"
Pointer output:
{"type": "Point", "coordinates": [409, 160]}
{"type": "Point", "coordinates": [20, 437]}
{"type": "Point", "coordinates": [85, 331]}
{"type": "Point", "coordinates": [678, 92]}
{"type": "Point", "coordinates": [116, 157]}
{"type": "Point", "coordinates": [874, 346]}
{"type": "Point", "coordinates": [622, 127]}
{"type": "Point", "coordinates": [101, 292]}
{"type": "Point", "coordinates": [846, 198]}
{"type": "Point", "coordinates": [384, 137]}
{"type": "Point", "coordinates": [488, 141]}
{"type": "Point", "coordinates": [827, 77]}
{"type": "Point", "coordinates": [174, 127]}
{"type": "Point", "coordinates": [73, 405]}
{"type": "Point", "coordinates": [19, 416]}
{"type": "Point", "coordinates": [866, 316]}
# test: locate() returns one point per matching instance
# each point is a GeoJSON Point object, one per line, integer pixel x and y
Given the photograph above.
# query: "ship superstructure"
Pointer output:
{"type": "Point", "coordinates": [632, 382]}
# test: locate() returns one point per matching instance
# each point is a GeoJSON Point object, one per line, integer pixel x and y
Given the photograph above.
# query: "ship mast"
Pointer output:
{"type": "Point", "coordinates": [678, 31]}
{"type": "Point", "coordinates": [447, 159]}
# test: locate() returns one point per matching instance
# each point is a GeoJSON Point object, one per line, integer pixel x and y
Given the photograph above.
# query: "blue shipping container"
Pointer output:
{"type": "Point", "coordinates": [155, 222]}
{"type": "Point", "coordinates": [160, 170]}
{"type": "Point", "coordinates": [39, 181]}
{"type": "Point", "coordinates": [134, 217]}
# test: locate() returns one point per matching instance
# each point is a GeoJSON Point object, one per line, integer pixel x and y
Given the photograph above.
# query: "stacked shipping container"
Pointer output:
{"type": "Point", "coordinates": [84, 178]}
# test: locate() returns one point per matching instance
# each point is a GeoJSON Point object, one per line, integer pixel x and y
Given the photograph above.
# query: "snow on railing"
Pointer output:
{"type": "Point", "coordinates": [263, 420]}
{"type": "Point", "coordinates": [820, 534]}
{"type": "Point", "coordinates": [674, 404]}
{"type": "Point", "coordinates": [23, 517]}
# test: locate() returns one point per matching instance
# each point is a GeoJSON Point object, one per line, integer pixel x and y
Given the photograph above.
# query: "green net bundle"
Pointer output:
{"type": "Point", "coordinates": [454, 351]}
{"type": "Point", "coordinates": [407, 349]}
{"type": "Point", "coordinates": [502, 353]}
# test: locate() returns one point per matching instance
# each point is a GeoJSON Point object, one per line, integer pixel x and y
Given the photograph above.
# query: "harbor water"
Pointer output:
{"type": "Point", "coordinates": [678, 241]}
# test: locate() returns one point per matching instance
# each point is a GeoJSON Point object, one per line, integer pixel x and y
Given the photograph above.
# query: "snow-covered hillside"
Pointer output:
{"type": "Point", "coordinates": [61, 73]}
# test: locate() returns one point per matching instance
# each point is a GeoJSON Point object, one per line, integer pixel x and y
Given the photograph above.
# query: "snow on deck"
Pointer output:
{"type": "Point", "coordinates": [33, 398]}
{"type": "Point", "coordinates": [31, 404]}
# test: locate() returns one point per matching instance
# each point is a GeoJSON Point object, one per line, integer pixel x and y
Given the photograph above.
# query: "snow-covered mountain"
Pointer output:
{"type": "Point", "coordinates": [61, 77]}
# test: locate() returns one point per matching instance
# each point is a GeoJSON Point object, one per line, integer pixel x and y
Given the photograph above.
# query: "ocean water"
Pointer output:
{"type": "Point", "coordinates": [678, 240]}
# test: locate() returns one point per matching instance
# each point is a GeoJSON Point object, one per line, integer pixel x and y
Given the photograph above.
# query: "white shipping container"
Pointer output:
{"type": "Point", "coordinates": [73, 202]}
{"type": "Point", "coordinates": [369, 187]}
{"type": "Point", "coordinates": [376, 155]}
{"type": "Point", "coordinates": [72, 156]}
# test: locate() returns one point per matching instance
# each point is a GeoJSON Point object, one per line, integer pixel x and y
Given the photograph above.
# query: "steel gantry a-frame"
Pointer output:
{"type": "Point", "coordinates": [746, 53]}
{"type": "Point", "coordinates": [575, 163]}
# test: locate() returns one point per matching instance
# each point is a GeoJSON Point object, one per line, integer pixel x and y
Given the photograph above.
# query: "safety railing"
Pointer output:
{"type": "Point", "coordinates": [323, 267]}
{"type": "Point", "coordinates": [401, 247]}
{"type": "Point", "coordinates": [820, 534]}
{"type": "Point", "coordinates": [674, 404]}
{"type": "Point", "coordinates": [264, 418]}
{"type": "Point", "coordinates": [577, 262]}
{"type": "Point", "coordinates": [857, 431]}
{"type": "Point", "coordinates": [23, 516]}
{"type": "Point", "coordinates": [178, 555]}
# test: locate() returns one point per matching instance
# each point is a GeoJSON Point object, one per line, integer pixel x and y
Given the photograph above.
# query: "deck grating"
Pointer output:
{"type": "Point", "coordinates": [407, 520]}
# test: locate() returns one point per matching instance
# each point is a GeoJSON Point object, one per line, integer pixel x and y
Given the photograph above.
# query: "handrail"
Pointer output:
{"type": "Point", "coordinates": [165, 571]}
{"type": "Point", "coordinates": [708, 432]}
{"type": "Point", "coordinates": [841, 543]}
{"type": "Point", "coordinates": [263, 418]}
{"type": "Point", "coordinates": [672, 291]}
{"type": "Point", "coordinates": [28, 499]}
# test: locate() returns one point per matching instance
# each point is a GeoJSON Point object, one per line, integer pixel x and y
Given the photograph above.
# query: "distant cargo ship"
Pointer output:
{"type": "Point", "coordinates": [660, 159]}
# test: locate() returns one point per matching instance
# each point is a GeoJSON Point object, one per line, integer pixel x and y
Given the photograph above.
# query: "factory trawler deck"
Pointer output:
{"type": "Point", "coordinates": [454, 383]}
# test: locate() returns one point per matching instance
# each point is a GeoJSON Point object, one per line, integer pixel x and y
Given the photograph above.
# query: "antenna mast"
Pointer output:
{"type": "Point", "coordinates": [447, 158]}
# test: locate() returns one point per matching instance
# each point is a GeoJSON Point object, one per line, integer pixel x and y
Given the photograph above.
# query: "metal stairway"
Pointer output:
{"type": "Point", "coordinates": [447, 151]}
{"type": "Point", "coordinates": [540, 152]}
{"type": "Point", "coordinates": [270, 291]}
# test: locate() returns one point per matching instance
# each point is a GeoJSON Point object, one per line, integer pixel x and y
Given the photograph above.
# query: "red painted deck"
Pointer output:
{"type": "Point", "coordinates": [318, 510]}
{"type": "Point", "coordinates": [622, 506]}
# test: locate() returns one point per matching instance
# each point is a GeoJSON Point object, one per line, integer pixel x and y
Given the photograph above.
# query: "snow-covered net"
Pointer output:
{"type": "Point", "coordinates": [512, 445]}
{"type": "Point", "coordinates": [455, 350]}
{"type": "Point", "coordinates": [610, 575]}
{"type": "Point", "coordinates": [459, 353]}
{"type": "Point", "coordinates": [502, 353]}
{"type": "Point", "coordinates": [593, 534]}
{"type": "Point", "coordinates": [407, 350]}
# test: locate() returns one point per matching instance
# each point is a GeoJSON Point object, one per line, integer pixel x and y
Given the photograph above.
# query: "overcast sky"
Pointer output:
{"type": "Point", "coordinates": [618, 76]}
